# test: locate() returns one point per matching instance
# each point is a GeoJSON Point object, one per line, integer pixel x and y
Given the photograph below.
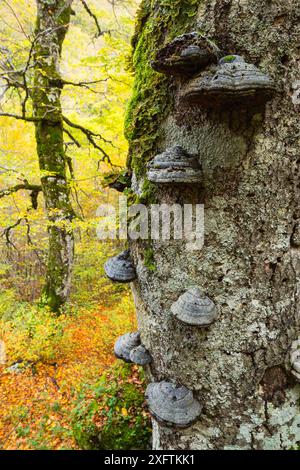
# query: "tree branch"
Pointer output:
{"type": "Point", "coordinates": [92, 15]}
{"type": "Point", "coordinates": [7, 230]}
{"type": "Point", "coordinates": [84, 84]}
{"type": "Point", "coordinates": [21, 118]}
{"type": "Point", "coordinates": [74, 140]}
{"type": "Point", "coordinates": [35, 190]}
{"type": "Point", "coordinates": [90, 135]}
{"type": "Point", "coordinates": [29, 187]}
{"type": "Point", "coordinates": [16, 17]}
{"type": "Point", "coordinates": [12, 170]}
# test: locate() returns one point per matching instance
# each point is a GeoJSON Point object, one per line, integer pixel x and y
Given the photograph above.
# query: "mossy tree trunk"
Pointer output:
{"type": "Point", "coordinates": [250, 264]}
{"type": "Point", "coordinates": [53, 18]}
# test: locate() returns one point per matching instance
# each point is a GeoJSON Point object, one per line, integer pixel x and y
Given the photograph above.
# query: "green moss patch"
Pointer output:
{"type": "Point", "coordinates": [157, 23]}
{"type": "Point", "coordinates": [228, 58]}
{"type": "Point", "coordinates": [149, 261]}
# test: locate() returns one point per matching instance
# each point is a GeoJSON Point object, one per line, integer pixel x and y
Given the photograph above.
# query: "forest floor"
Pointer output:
{"type": "Point", "coordinates": [36, 401]}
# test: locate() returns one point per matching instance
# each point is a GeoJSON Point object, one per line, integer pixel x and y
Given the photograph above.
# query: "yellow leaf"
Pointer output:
{"type": "Point", "coordinates": [124, 412]}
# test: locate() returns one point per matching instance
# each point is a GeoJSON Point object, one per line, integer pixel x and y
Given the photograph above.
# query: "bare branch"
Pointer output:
{"type": "Point", "coordinates": [16, 17]}
{"type": "Point", "coordinates": [10, 78]}
{"type": "Point", "coordinates": [84, 84]}
{"type": "Point", "coordinates": [92, 15]}
{"type": "Point", "coordinates": [26, 186]}
{"type": "Point", "coordinates": [30, 242]}
{"type": "Point", "coordinates": [21, 118]}
{"type": "Point", "coordinates": [7, 234]}
{"type": "Point", "coordinates": [74, 140]}
{"type": "Point", "coordinates": [90, 135]}
{"type": "Point", "coordinates": [12, 170]}
{"type": "Point", "coordinates": [35, 190]}
{"type": "Point", "coordinates": [7, 230]}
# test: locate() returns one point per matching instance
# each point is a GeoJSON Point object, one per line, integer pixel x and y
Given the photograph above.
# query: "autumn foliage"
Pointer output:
{"type": "Point", "coordinates": [56, 364]}
{"type": "Point", "coordinates": [50, 365]}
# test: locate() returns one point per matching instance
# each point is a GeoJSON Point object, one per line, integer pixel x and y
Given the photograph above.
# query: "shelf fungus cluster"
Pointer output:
{"type": "Point", "coordinates": [172, 405]}
{"type": "Point", "coordinates": [174, 165]}
{"type": "Point", "coordinates": [185, 55]}
{"type": "Point", "coordinates": [120, 268]}
{"type": "Point", "coordinates": [195, 309]}
{"type": "Point", "coordinates": [234, 82]}
{"type": "Point", "coordinates": [129, 348]}
{"type": "Point", "coordinates": [295, 359]}
{"type": "Point", "coordinates": [213, 82]}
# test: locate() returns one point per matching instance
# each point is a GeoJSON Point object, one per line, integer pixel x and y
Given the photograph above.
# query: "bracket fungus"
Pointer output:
{"type": "Point", "coordinates": [185, 55]}
{"type": "Point", "coordinates": [140, 355]}
{"type": "Point", "coordinates": [120, 268]}
{"type": "Point", "coordinates": [174, 165]}
{"type": "Point", "coordinates": [172, 405]}
{"type": "Point", "coordinates": [295, 359]}
{"type": "Point", "coordinates": [125, 344]}
{"type": "Point", "coordinates": [195, 309]}
{"type": "Point", "coordinates": [234, 83]}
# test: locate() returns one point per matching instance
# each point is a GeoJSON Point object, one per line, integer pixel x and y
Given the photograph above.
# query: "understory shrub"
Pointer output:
{"type": "Point", "coordinates": [111, 414]}
{"type": "Point", "coordinates": [31, 333]}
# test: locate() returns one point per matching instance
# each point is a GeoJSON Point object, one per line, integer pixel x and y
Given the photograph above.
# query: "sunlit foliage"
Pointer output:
{"type": "Point", "coordinates": [50, 359]}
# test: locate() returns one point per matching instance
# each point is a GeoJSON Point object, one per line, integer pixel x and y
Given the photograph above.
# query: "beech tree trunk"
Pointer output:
{"type": "Point", "coordinates": [53, 18]}
{"type": "Point", "coordinates": [239, 367]}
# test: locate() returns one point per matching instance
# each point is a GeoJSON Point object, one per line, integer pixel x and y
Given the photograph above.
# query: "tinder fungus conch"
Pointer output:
{"type": "Point", "coordinates": [140, 355]}
{"type": "Point", "coordinates": [194, 308]}
{"type": "Point", "coordinates": [120, 268]}
{"type": "Point", "coordinates": [174, 165]}
{"type": "Point", "coordinates": [125, 344]}
{"type": "Point", "coordinates": [185, 55]}
{"type": "Point", "coordinates": [172, 405]}
{"type": "Point", "coordinates": [235, 82]}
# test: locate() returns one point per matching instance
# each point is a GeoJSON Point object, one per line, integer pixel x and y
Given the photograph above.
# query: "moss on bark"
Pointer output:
{"type": "Point", "coordinates": [152, 94]}
{"type": "Point", "coordinates": [52, 24]}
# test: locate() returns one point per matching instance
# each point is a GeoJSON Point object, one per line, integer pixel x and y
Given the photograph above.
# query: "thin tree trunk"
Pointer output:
{"type": "Point", "coordinates": [250, 264]}
{"type": "Point", "coordinates": [52, 24]}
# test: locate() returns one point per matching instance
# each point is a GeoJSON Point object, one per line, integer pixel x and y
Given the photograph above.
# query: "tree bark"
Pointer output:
{"type": "Point", "coordinates": [250, 263]}
{"type": "Point", "coordinates": [53, 18]}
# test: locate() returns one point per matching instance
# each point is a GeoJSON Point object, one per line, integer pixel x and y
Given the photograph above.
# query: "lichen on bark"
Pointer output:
{"type": "Point", "coordinates": [249, 265]}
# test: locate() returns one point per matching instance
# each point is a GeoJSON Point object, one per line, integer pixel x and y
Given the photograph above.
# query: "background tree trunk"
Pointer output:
{"type": "Point", "coordinates": [52, 24]}
{"type": "Point", "coordinates": [250, 263]}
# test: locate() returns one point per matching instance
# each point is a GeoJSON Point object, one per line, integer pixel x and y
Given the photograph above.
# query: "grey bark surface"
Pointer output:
{"type": "Point", "coordinates": [249, 266]}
